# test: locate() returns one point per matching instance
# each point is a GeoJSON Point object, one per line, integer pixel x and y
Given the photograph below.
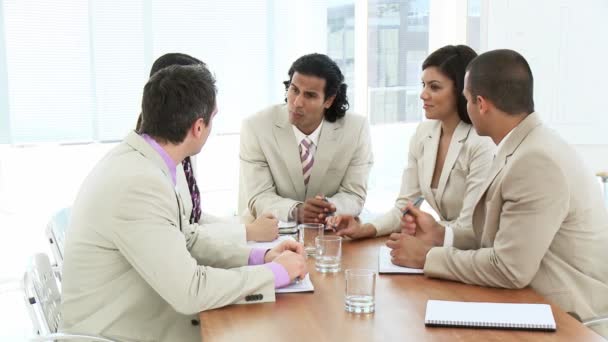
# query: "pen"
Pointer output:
{"type": "Point", "coordinates": [329, 214]}
{"type": "Point", "coordinates": [326, 200]}
{"type": "Point", "coordinates": [417, 203]}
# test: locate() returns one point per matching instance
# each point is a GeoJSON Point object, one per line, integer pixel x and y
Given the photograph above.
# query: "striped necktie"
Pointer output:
{"type": "Point", "coordinates": [306, 158]}
{"type": "Point", "coordinates": [195, 216]}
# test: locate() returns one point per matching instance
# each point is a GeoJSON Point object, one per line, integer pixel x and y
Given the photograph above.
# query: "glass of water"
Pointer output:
{"type": "Point", "coordinates": [360, 290]}
{"type": "Point", "coordinates": [329, 253]}
{"type": "Point", "coordinates": [308, 233]}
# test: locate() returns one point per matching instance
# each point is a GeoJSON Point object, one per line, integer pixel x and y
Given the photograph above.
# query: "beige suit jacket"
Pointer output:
{"type": "Point", "coordinates": [464, 171]}
{"type": "Point", "coordinates": [271, 170]}
{"type": "Point", "coordinates": [227, 229]}
{"type": "Point", "coordinates": [134, 269]}
{"type": "Point", "coordinates": [539, 221]}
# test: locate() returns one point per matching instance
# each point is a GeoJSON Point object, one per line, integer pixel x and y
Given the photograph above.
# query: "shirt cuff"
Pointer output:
{"type": "Point", "coordinates": [281, 277]}
{"type": "Point", "coordinates": [256, 256]}
{"type": "Point", "coordinates": [448, 239]}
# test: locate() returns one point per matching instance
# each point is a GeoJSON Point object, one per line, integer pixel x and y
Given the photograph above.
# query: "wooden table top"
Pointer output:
{"type": "Point", "coordinates": [400, 309]}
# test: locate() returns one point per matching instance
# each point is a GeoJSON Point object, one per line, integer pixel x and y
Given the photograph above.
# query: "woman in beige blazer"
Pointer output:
{"type": "Point", "coordinates": [447, 160]}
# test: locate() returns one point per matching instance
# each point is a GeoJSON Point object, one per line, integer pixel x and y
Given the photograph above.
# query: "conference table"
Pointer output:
{"type": "Point", "coordinates": [400, 310]}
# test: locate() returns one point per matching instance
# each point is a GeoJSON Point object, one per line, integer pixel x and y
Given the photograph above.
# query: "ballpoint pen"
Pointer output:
{"type": "Point", "coordinates": [417, 202]}
{"type": "Point", "coordinates": [328, 213]}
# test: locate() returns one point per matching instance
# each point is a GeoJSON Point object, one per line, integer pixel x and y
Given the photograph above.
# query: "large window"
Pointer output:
{"type": "Point", "coordinates": [341, 40]}
{"type": "Point", "coordinates": [75, 69]}
{"type": "Point", "coordinates": [397, 45]}
{"type": "Point", "coordinates": [380, 46]}
{"type": "Point", "coordinates": [474, 24]}
{"type": "Point", "coordinates": [49, 87]}
{"type": "Point", "coordinates": [71, 79]}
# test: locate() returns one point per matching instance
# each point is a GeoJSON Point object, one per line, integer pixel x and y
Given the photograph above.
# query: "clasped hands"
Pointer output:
{"type": "Point", "coordinates": [315, 210]}
{"type": "Point", "coordinates": [419, 233]}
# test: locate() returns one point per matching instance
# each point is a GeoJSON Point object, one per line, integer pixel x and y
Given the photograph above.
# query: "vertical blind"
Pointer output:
{"type": "Point", "coordinates": [73, 71]}
{"type": "Point", "coordinates": [49, 92]}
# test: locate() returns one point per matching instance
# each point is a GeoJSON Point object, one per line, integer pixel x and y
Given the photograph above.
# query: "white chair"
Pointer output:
{"type": "Point", "coordinates": [43, 301]}
{"type": "Point", "coordinates": [55, 232]}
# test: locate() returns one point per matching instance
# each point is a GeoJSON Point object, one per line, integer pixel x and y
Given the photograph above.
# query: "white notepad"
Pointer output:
{"type": "Point", "coordinates": [268, 245]}
{"type": "Point", "coordinates": [287, 224]}
{"type": "Point", "coordinates": [303, 286]}
{"type": "Point", "coordinates": [489, 315]}
{"type": "Point", "coordinates": [385, 264]}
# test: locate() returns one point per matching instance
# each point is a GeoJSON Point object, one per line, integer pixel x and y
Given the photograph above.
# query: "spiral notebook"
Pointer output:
{"type": "Point", "coordinates": [441, 313]}
{"type": "Point", "coordinates": [270, 244]}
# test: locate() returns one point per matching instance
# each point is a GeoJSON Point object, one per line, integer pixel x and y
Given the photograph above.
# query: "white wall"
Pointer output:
{"type": "Point", "coordinates": [565, 42]}
{"type": "Point", "coordinates": [595, 156]}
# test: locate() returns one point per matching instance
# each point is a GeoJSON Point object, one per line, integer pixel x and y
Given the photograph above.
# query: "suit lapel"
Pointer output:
{"type": "Point", "coordinates": [330, 134]}
{"type": "Point", "coordinates": [518, 134]}
{"type": "Point", "coordinates": [429, 157]}
{"type": "Point", "coordinates": [286, 141]}
{"type": "Point", "coordinates": [460, 136]}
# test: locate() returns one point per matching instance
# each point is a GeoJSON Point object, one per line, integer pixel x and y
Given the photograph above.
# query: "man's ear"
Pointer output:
{"type": "Point", "coordinates": [198, 127]}
{"type": "Point", "coordinates": [483, 105]}
{"type": "Point", "coordinates": [329, 102]}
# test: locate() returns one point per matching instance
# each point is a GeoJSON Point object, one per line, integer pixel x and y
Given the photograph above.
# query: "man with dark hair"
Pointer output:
{"type": "Point", "coordinates": [539, 219]}
{"type": "Point", "coordinates": [135, 269]}
{"type": "Point", "coordinates": [169, 59]}
{"type": "Point", "coordinates": [308, 158]}
{"type": "Point", "coordinates": [264, 228]}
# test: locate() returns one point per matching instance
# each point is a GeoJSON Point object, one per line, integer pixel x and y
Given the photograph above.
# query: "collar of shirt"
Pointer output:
{"type": "Point", "coordinates": [502, 142]}
{"type": "Point", "coordinates": [168, 160]}
{"type": "Point", "coordinates": [314, 136]}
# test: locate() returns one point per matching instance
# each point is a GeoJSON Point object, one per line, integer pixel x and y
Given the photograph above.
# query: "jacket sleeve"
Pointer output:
{"type": "Point", "coordinates": [480, 159]}
{"type": "Point", "coordinates": [259, 187]}
{"type": "Point", "coordinates": [226, 229]}
{"type": "Point", "coordinates": [180, 268]}
{"type": "Point", "coordinates": [535, 200]}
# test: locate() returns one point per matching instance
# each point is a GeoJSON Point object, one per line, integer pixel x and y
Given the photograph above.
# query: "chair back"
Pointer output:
{"type": "Point", "coordinates": [55, 232]}
{"type": "Point", "coordinates": [42, 295]}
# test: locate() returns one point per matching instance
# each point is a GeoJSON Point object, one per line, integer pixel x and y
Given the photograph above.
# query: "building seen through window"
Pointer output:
{"type": "Point", "coordinates": [397, 44]}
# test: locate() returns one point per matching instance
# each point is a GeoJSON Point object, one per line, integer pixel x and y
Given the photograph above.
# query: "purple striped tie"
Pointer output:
{"type": "Point", "coordinates": [306, 158]}
{"type": "Point", "coordinates": [195, 216]}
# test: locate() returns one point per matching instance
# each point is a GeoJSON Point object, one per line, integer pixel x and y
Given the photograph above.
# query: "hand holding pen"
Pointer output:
{"type": "Point", "coordinates": [316, 209]}
{"type": "Point", "coordinates": [351, 227]}
{"type": "Point", "coordinates": [327, 210]}
{"type": "Point", "coordinates": [407, 221]}
{"type": "Point", "coordinates": [422, 225]}
{"type": "Point", "coordinates": [416, 203]}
